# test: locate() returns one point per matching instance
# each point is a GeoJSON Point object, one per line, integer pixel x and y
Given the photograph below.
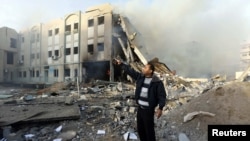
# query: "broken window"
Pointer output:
{"type": "Point", "coordinates": [75, 26]}
{"type": "Point", "coordinates": [56, 52]}
{"type": "Point", "coordinates": [10, 57]}
{"type": "Point", "coordinates": [55, 72]}
{"type": "Point", "coordinates": [50, 33]}
{"type": "Point", "coordinates": [100, 46]}
{"type": "Point", "coordinates": [67, 72]}
{"type": "Point", "coordinates": [50, 53]}
{"type": "Point", "coordinates": [75, 50]}
{"type": "Point", "coordinates": [68, 28]}
{"type": "Point", "coordinates": [90, 22]}
{"type": "Point", "coordinates": [56, 31]}
{"type": "Point", "coordinates": [100, 20]}
{"type": "Point", "coordinates": [37, 73]}
{"type": "Point", "coordinates": [91, 48]}
{"type": "Point", "coordinates": [67, 51]}
{"type": "Point", "coordinates": [24, 73]}
{"type": "Point", "coordinates": [12, 43]}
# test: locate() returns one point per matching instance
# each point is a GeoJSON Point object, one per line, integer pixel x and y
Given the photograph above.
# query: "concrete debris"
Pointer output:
{"type": "Point", "coordinates": [29, 136]}
{"type": "Point", "coordinates": [101, 132]}
{"type": "Point", "coordinates": [183, 137]}
{"type": "Point", "coordinates": [68, 135]}
{"type": "Point", "coordinates": [59, 128]}
{"type": "Point", "coordinates": [129, 136]}
{"type": "Point", "coordinates": [190, 116]}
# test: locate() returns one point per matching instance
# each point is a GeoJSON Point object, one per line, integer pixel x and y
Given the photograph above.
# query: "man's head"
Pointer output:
{"type": "Point", "coordinates": [148, 69]}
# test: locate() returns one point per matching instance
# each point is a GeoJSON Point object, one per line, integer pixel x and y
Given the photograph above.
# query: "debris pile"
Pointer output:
{"type": "Point", "coordinates": [107, 111]}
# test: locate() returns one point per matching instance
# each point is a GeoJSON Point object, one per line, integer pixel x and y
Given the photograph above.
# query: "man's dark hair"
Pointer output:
{"type": "Point", "coordinates": [151, 66]}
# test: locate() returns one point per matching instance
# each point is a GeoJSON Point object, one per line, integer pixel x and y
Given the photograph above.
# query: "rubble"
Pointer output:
{"type": "Point", "coordinates": [115, 115]}
{"type": "Point", "coordinates": [190, 116]}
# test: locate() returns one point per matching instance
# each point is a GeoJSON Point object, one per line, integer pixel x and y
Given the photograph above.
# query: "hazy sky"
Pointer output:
{"type": "Point", "coordinates": [191, 36]}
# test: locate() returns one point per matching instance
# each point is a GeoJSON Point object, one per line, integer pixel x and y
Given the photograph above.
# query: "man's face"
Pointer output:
{"type": "Point", "coordinates": [146, 70]}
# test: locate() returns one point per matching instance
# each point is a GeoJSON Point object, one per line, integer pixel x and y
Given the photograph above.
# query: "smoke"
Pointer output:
{"type": "Point", "coordinates": [197, 38]}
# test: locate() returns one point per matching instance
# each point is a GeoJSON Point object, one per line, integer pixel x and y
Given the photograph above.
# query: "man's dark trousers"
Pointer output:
{"type": "Point", "coordinates": [145, 124]}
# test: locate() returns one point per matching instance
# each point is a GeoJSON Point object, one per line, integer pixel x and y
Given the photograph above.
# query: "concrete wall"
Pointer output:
{"type": "Point", "coordinates": [8, 72]}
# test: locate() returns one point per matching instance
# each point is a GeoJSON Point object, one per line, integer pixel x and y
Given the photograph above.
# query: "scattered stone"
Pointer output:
{"type": "Point", "coordinates": [183, 137]}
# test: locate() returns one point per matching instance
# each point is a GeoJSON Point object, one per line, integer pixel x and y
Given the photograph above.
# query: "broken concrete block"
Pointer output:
{"type": "Point", "coordinates": [132, 110]}
{"type": "Point", "coordinates": [111, 112]}
{"type": "Point", "coordinates": [69, 100]}
{"type": "Point", "coordinates": [190, 116]}
{"type": "Point", "coordinates": [183, 137]}
{"type": "Point", "coordinates": [68, 135]}
{"type": "Point", "coordinates": [28, 98]}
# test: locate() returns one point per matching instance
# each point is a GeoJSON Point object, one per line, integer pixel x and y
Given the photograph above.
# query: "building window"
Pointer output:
{"type": "Point", "coordinates": [75, 50]}
{"type": "Point", "coordinates": [75, 26]}
{"type": "Point", "coordinates": [37, 73]}
{"type": "Point", "coordinates": [20, 74]}
{"type": "Point", "coordinates": [22, 39]}
{"type": "Point", "coordinates": [68, 28]}
{"type": "Point", "coordinates": [55, 72]}
{"type": "Point", "coordinates": [12, 43]}
{"type": "Point", "coordinates": [100, 46]}
{"type": "Point", "coordinates": [76, 73]}
{"type": "Point", "coordinates": [50, 53]}
{"type": "Point", "coordinates": [24, 73]}
{"type": "Point", "coordinates": [100, 20]}
{"type": "Point", "coordinates": [67, 52]}
{"type": "Point", "coordinates": [10, 58]}
{"type": "Point", "coordinates": [37, 55]}
{"type": "Point", "coordinates": [91, 49]}
{"type": "Point", "coordinates": [56, 52]}
{"type": "Point", "coordinates": [67, 72]}
{"type": "Point", "coordinates": [32, 56]}
{"type": "Point", "coordinates": [32, 73]}
{"type": "Point", "coordinates": [50, 33]}
{"type": "Point", "coordinates": [90, 22]}
{"type": "Point", "coordinates": [56, 31]}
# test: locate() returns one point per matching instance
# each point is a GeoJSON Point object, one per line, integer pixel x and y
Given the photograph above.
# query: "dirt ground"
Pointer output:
{"type": "Point", "coordinates": [229, 103]}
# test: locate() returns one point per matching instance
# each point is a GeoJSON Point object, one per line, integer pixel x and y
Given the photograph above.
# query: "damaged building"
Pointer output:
{"type": "Point", "coordinates": [79, 45]}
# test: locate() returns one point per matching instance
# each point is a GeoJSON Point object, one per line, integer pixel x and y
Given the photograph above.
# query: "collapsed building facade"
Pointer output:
{"type": "Point", "coordinates": [80, 45]}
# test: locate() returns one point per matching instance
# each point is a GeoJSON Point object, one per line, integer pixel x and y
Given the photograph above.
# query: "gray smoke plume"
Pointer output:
{"type": "Point", "coordinates": [197, 38]}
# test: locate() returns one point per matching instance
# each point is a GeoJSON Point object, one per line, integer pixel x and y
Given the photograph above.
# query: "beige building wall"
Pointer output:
{"type": "Point", "coordinates": [63, 49]}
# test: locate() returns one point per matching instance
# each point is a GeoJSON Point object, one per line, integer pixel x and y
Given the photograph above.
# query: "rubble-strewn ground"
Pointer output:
{"type": "Point", "coordinates": [229, 103]}
{"type": "Point", "coordinates": [111, 110]}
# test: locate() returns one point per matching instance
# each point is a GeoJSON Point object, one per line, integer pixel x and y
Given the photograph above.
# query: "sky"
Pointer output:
{"type": "Point", "coordinates": [193, 37]}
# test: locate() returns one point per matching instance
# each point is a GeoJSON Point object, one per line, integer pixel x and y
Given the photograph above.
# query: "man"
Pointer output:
{"type": "Point", "coordinates": [149, 94]}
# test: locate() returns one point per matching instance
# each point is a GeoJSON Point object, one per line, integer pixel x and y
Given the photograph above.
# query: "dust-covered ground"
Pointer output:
{"type": "Point", "coordinates": [229, 103]}
{"type": "Point", "coordinates": [114, 112]}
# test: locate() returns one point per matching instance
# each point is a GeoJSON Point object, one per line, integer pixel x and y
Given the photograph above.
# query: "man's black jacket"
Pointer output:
{"type": "Point", "coordinates": [156, 91]}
